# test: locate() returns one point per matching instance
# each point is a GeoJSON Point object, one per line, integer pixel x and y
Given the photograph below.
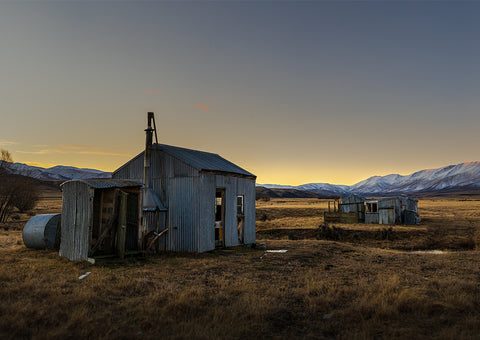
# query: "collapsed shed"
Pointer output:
{"type": "Point", "coordinates": [387, 210]}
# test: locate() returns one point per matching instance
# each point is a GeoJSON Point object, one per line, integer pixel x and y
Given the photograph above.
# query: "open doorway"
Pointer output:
{"type": "Point", "coordinates": [220, 217]}
{"type": "Point", "coordinates": [240, 218]}
{"type": "Point", "coordinates": [115, 222]}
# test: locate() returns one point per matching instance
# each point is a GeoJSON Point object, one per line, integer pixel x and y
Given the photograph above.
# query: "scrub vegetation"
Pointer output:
{"type": "Point", "coordinates": [342, 281]}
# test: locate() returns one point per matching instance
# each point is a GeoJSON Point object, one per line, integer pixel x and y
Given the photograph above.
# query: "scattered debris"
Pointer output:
{"type": "Point", "coordinates": [278, 251]}
{"type": "Point", "coordinates": [91, 260]}
{"type": "Point", "coordinates": [427, 252]}
{"type": "Point", "coordinates": [81, 277]}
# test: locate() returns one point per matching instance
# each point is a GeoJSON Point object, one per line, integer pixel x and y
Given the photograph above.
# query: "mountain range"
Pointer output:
{"type": "Point", "coordinates": [460, 176]}
{"type": "Point", "coordinates": [463, 176]}
{"type": "Point", "coordinates": [59, 172]}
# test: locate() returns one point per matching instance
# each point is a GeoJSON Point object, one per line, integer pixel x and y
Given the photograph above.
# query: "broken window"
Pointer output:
{"type": "Point", "coordinates": [240, 210]}
{"type": "Point", "coordinates": [372, 207]}
{"type": "Point", "coordinates": [219, 206]}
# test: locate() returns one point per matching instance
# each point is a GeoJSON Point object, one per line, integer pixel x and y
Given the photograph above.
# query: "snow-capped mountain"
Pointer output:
{"type": "Point", "coordinates": [58, 172]}
{"type": "Point", "coordinates": [452, 176]}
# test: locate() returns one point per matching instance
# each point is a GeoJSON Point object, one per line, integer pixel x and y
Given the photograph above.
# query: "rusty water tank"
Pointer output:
{"type": "Point", "coordinates": [40, 232]}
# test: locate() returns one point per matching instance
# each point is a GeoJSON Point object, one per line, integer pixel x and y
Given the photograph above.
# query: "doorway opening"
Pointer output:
{"type": "Point", "coordinates": [220, 217]}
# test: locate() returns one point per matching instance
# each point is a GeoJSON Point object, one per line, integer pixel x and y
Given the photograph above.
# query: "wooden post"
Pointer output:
{"type": "Point", "coordinates": [122, 225]}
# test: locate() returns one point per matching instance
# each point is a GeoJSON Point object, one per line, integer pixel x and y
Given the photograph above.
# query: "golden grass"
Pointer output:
{"type": "Point", "coordinates": [347, 289]}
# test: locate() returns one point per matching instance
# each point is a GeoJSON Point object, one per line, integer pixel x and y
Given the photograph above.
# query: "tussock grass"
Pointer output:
{"type": "Point", "coordinates": [349, 288]}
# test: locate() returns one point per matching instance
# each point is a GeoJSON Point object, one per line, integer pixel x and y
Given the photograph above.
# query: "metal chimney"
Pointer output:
{"type": "Point", "coordinates": [148, 151]}
{"type": "Point", "coordinates": [150, 200]}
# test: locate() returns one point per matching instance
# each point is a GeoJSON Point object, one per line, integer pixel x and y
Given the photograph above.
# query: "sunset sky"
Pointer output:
{"type": "Point", "coordinates": [294, 92]}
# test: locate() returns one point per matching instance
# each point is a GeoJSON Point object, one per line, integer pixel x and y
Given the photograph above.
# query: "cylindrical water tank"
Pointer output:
{"type": "Point", "coordinates": [41, 231]}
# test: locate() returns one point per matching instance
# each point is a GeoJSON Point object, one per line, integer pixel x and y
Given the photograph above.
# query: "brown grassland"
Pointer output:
{"type": "Point", "coordinates": [348, 281]}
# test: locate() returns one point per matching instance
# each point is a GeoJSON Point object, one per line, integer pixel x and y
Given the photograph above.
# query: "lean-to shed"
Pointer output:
{"type": "Point", "coordinates": [100, 217]}
{"type": "Point", "coordinates": [199, 200]}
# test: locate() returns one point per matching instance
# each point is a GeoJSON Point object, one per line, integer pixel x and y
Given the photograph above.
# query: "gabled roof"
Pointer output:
{"type": "Point", "coordinates": [201, 160]}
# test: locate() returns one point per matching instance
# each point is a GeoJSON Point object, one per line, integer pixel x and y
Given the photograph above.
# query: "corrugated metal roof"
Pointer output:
{"type": "Point", "coordinates": [203, 160]}
{"type": "Point", "coordinates": [105, 183]}
{"type": "Point", "coordinates": [199, 160]}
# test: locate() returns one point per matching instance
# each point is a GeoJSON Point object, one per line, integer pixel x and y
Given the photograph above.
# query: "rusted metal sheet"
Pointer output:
{"type": "Point", "coordinates": [41, 231]}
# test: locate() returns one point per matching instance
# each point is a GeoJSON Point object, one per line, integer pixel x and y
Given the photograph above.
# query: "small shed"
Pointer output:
{"type": "Point", "coordinates": [203, 201]}
{"type": "Point", "coordinates": [100, 217]}
{"type": "Point", "coordinates": [208, 200]}
{"type": "Point", "coordinates": [392, 210]}
{"type": "Point", "coordinates": [387, 210]}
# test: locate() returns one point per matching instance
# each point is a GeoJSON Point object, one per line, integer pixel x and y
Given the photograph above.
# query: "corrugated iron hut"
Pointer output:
{"type": "Point", "coordinates": [192, 200]}
{"type": "Point", "coordinates": [355, 205]}
{"type": "Point", "coordinates": [391, 210]}
{"type": "Point", "coordinates": [100, 217]}
{"type": "Point", "coordinates": [387, 210]}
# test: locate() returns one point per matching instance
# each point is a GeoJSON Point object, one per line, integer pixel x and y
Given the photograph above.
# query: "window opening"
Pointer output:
{"type": "Point", "coordinates": [372, 207]}
{"type": "Point", "coordinates": [240, 209]}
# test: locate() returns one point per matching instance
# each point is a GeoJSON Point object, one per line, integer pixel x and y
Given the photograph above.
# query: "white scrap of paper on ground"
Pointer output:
{"type": "Point", "coordinates": [81, 277]}
{"type": "Point", "coordinates": [281, 251]}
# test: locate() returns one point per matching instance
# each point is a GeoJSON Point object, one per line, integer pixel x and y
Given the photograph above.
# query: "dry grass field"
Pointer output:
{"type": "Point", "coordinates": [343, 281]}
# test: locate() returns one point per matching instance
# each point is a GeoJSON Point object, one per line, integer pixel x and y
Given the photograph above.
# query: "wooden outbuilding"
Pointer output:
{"type": "Point", "coordinates": [100, 217]}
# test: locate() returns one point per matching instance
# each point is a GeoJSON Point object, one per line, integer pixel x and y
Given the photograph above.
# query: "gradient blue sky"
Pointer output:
{"type": "Point", "coordinates": [294, 92]}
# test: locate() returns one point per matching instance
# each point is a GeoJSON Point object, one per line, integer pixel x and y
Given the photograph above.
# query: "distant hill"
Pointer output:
{"type": "Point", "coordinates": [452, 178]}
{"type": "Point", "coordinates": [59, 172]}
{"type": "Point", "coordinates": [285, 193]}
